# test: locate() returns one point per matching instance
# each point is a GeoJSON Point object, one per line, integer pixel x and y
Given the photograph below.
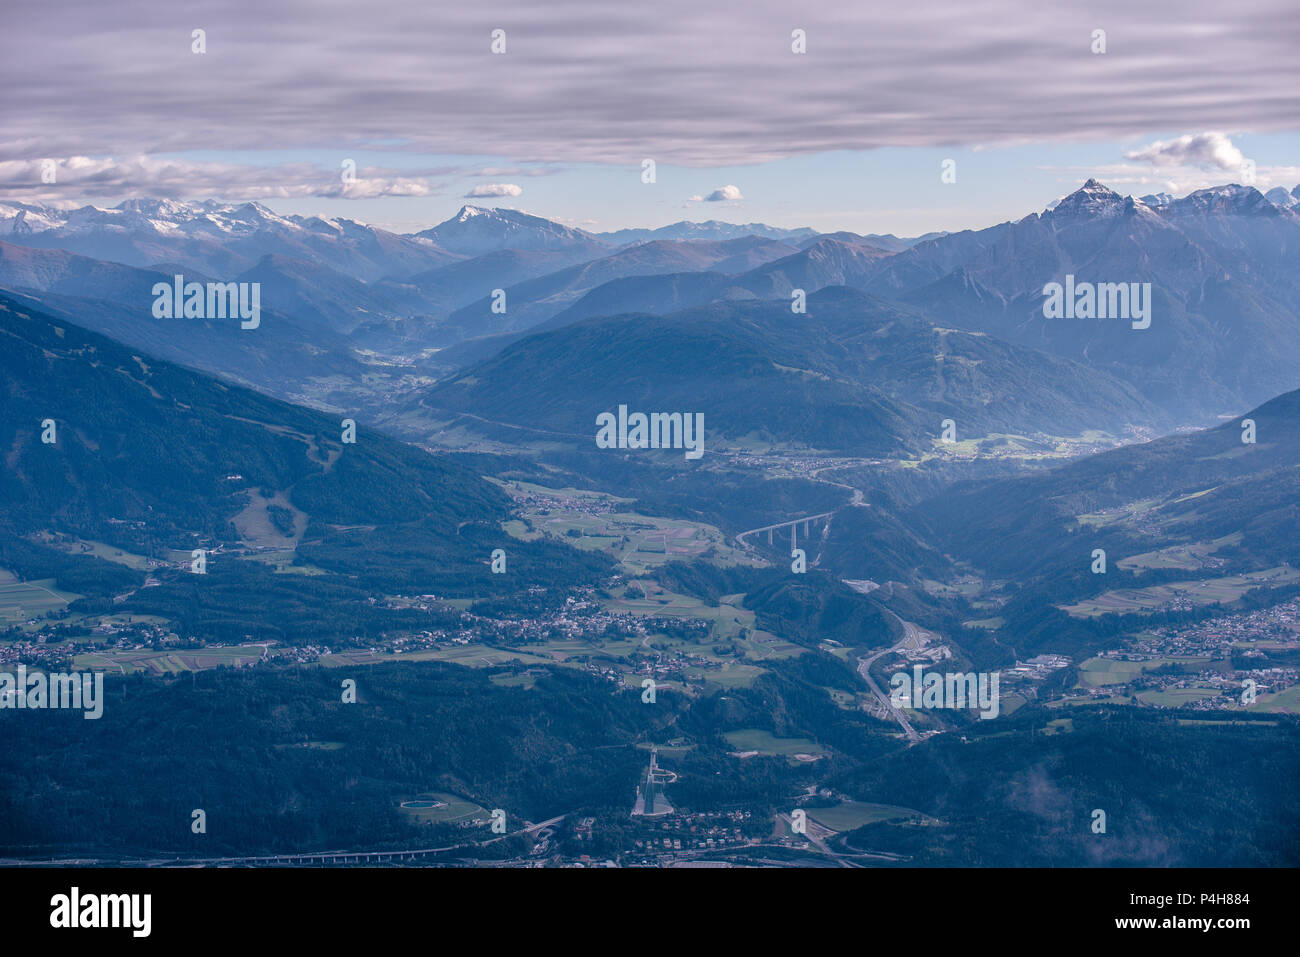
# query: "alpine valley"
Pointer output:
{"type": "Point", "coordinates": [364, 575]}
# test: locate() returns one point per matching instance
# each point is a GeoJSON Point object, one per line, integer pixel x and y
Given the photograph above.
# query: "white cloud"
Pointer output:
{"type": "Point", "coordinates": [1202, 150]}
{"type": "Point", "coordinates": [722, 194]}
{"type": "Point", "coordinates": [1137, 179]}
{"type": "Point", "coordinates": [494, 189]}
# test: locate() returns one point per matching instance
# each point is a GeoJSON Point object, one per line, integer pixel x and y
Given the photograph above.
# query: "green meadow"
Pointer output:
{"type": "Point", "coordinates": [169, 662]}
{"type": "Point", "coordinates": [454, 809]}
{"type": "Point", "coordinates": [754, 739]}
{"type": "Point", "coordinates": [854, 814]}
{"type": "Point", "coordinates": [20, 601]}
{"type": "Point", "coordinates": [1096, 672]}
{"type": "Point", "coordinates": [1226, 589]}
{"type": "Point", "coordinates": [639, 542]}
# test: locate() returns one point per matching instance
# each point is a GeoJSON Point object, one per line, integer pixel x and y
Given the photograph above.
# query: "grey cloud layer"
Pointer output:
{"type": "Point", "coordinates": [612, 83]}
{"type": "Point", "coordinates": [143, 175]}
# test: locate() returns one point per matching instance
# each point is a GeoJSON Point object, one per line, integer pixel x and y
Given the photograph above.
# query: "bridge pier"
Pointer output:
{"type": "Point", "coordinates": [769, 536]}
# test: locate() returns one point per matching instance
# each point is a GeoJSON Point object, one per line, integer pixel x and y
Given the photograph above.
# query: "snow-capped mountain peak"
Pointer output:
{"type": "Point", "coordinates": [1230, 198]}
{"type": "Point", "coordinates": [216, 237]}
{"type": "Point", "coordinates": [1091, 200]}
{"type": "Point", "coordinates": [1283, 198]}
{"type": "Point", "coordinates": [1158, 200]}
{"type": "Point", "coordinates": [475, 230]}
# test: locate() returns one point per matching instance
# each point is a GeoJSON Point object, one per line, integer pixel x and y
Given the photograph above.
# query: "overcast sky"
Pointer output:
{"type": "Point", "coordinates": [850, 134]}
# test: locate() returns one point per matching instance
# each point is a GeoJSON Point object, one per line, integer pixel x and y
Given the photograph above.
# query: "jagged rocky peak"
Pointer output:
{"type": "Point", "coordinates": [1092, 199]}
{"type": "Point", "coordinates": [1283, 198]}
{"type": "Point", "coordinates": [1231, 198]}
{"type": "Point", "coordinates": [1158, 200]}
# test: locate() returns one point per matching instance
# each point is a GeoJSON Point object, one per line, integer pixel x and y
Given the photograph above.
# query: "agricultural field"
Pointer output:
{"type": "Point", "coordinates": [969, 588]}
{"type": "Point", "coordinates": [1137, 600]}
{"type": "Point", "coordinates": [1137, 510]}
{"type": "Point", "coordinates": [1010, 702]}
{"type": "Point", "coordinates": [1036, 448]}
{"type": "Point", "coordinates": [842, 652]}
{"type": "Point", "coordinates": [472, 656]}
{"type": "Point", "coordinates": [1190, 557]}
{"type": "Point", "coordinates": [763, 742]}
{"type": "Point", "coordinates": [169, 662]}
{"type": "Point", "coordinates": [850, 815]}
{"type": "Point", "coordinates": [645, 597]}
{"type": "Point", "coordinates": [1176, 697]}
{"type": "Point", "coordinates": [1088, 701]}
{"type": "Point", "coordinates": [110, 553]}
{"type": "Point", "coordinates": [282, 560]}
{"type": "Point", "coordinates": [524, 680]}
{"type": "Point", "coordinates": [21, 601]}
{"type": "Point", "coordinates": [1285, 702]}
{"type": "Point", "coordinates": [732, 674]}
{"type": "Point", "coordinates": [843, 699]}
{"type": "Point", "coordinates": [1096, 672]}
{"type": "Point", "coordinates": [725, 670]}
{"type": "Point", "coordinates": [287, 568]}
{"type": "Point", "coordinates": [590, 520]}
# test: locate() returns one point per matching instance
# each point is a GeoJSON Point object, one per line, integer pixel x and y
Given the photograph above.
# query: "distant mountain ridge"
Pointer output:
{"type": "Point", "coordinates": [1224, 269]}
{"type": "Point", "coordinates": [1196, 487]}
{"type": "Point", "coordinates": [476, 230]}
{"type": "Point", "coordinates": [140, 440]}
{"type": "Point", "coordinates": [283, 356]}
{"type": "Point", "coordinates": [220, 239]}
{"type": "Point", "coordinates": [533, 302]}
{"type": "Point", "coordinates": [151, 457]}
{"type": "Point", "coordinates": [825, 262]}
{"type": "Point", "coordinates": [1223, 266]}
{"type": "Point", "coordinates": [710, 229]}
{"type": "Point", "coordinates": [853, 374]}
{"type": "Point", "coordinates": [216, 235]}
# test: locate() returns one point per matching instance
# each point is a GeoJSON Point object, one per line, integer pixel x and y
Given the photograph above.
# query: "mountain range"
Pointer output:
{"type": "Point", "coordinates": [853, 374]}
{"type": "Point", "coordinates": [379, 553]}
{"type": "Point", "coordinates": [218, 239]}
{"type": "Point", "coordinates": [290, 354]}
{"type": "Point", "coordinates": [1222, 264]}
{"type": "Point", "coordinates": [408, 309]}
{"type": "Point", "coordinates": [158, 460]}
